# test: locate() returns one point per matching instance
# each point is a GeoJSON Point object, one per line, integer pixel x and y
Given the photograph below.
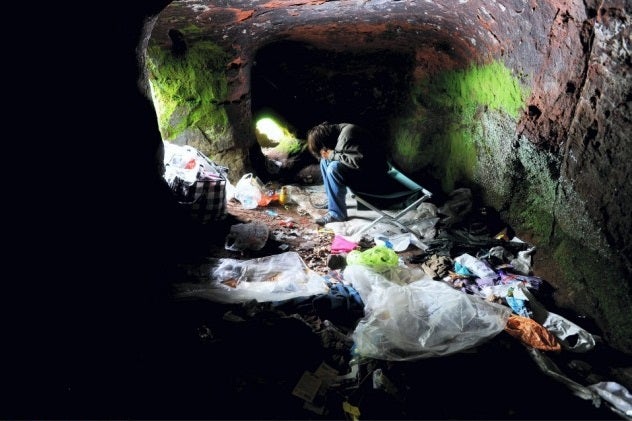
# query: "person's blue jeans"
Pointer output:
{"type": "Point", "coordinates": [333, 173]}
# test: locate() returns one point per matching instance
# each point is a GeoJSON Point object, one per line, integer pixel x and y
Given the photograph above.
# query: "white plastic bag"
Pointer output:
{"type": "Point", "coordinates": [421, 319]}
{"type": "Point", "coordinates": [182, 162]}
{"type": "Point", "coordinates": [477, 266]}
{"type": "Point", "coordinates": [248, 191]}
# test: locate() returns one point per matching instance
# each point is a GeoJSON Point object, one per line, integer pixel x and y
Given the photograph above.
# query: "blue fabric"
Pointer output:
{"type": "Point", "coordinates": [342, 305]}
{"type": "Point", "coordinates": [335, 187]}
{"type": "Point", "coordinates": [518, 306]}
{"type": "Point", "coordinates": [462, 270]}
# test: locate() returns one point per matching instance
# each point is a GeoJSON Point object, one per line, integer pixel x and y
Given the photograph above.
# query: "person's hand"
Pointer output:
{"type": "Point", "coordinates": [326, 153]}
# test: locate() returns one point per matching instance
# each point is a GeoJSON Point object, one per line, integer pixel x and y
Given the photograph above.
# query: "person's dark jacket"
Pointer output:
{"type": "Point", "coordinates": [358, 149]}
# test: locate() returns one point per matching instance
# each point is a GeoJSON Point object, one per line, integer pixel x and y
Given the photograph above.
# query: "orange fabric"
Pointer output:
{"type": "Point", "coordinates": [266, 199]}
{"type": "Point", "coordinates": [532, 333]}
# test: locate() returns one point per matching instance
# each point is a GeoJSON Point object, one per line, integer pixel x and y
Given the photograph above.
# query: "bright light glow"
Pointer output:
{"type": "Point", "coordinates": [271, 129]}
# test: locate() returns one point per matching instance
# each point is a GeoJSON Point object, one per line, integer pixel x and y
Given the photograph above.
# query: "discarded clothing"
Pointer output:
{"type": "Point", "coordinates": [342, 305]}
{"type": "Point", "coordinates": [437, 266]}
{"type": "Point", "coordinates": [533, 282]}
{"type": "Point", "coordinates": [531, 333]}
{"type": "Point", "coordinates": [341, 245]}
{"type": "Point", "coordinates": [518, 306]}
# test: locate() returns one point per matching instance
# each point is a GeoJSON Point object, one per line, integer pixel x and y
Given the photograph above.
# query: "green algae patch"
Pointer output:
{"type": "Point", "coordinates": [605, 285]}
{"type": "Point", "coordinates": [462, 157]}
{"type": "Point", "coordinates": [443, 123]}
{"type": "Point", "coordinates": [188, 90]}
{"type": "Point", "coordinates": [407, 145]}
{"type": "Point", "coordinates": [535, 217]}
{"type": "Point", "coordinates": [463, 91]}
{"type": "Point", "coordinates": [535, 192]}
{"type": "Point", "coordinates": [192, 30]}
{"type": "Point", "coordinates": [291, 146]}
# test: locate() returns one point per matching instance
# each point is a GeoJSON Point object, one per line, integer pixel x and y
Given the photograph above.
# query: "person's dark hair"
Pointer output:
{"type": "Point", "coordinates": [324, 135]}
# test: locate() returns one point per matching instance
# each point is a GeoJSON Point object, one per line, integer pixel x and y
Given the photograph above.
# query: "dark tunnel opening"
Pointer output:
{"type": "Point", "coordinates": [305, 85]}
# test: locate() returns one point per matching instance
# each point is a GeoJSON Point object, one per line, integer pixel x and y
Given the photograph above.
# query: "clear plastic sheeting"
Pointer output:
{"type": "Point", "coordinates": [420, 319]}
{"type": "Point", "coordinates": [271, 278]}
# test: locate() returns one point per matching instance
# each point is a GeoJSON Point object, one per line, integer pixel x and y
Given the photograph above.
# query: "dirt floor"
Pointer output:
{"type": "Point", "coordinates": [292, 228]}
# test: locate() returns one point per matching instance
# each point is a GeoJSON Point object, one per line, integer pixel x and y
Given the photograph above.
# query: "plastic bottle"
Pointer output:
{"type": "Point", "coordinates": [284, 195]}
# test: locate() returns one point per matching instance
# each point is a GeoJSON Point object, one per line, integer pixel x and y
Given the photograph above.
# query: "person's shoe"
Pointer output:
{"type": "Point", "coordinates": [327, 218]}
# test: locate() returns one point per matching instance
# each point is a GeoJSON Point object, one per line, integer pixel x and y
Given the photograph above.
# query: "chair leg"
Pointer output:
{"type": "Point", "coordinates": [393, 219]}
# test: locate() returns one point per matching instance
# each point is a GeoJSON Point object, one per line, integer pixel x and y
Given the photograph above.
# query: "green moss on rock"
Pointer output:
{"type": "Point", "coordinates": [291, 146]}
{"type": "Point", "coordinates": [535, 217]}
{"type": "Point", "coordinates": [188, 90]}
{"type": "Point", "coordinates": [534, 196]}
{"type": "Point", "coordinates": [441, 128]}
{"type": "Point", "coordinates": [192, 30]}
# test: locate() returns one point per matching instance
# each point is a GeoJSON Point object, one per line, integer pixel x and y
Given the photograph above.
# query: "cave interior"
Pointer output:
{"type": "Point", "coordinates": [525, 102]}
{"type": "Point", "coordinates": [508, 99]}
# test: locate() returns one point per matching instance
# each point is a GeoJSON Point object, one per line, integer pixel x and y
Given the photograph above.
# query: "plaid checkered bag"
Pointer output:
{"type": "Point", "coordinates": [206, 200]}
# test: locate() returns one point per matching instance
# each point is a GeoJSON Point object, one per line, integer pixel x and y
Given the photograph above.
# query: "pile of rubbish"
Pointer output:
{"type": "Point", "coordinates": [471, 283]}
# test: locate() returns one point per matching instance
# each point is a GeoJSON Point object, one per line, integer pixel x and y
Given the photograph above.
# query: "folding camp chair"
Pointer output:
{"type": "Point", "coordinates": [396, 192]}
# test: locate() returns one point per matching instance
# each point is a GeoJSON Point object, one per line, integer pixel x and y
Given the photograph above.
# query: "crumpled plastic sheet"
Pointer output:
{"type": "Point", "coordinates": [458, 205]}
{"type": "Point", "coordinates": [420, 319]}
{"type": "Point", "coordinates": [617, 395]}
{"type": "Point", "coordinates": [271, 278]}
